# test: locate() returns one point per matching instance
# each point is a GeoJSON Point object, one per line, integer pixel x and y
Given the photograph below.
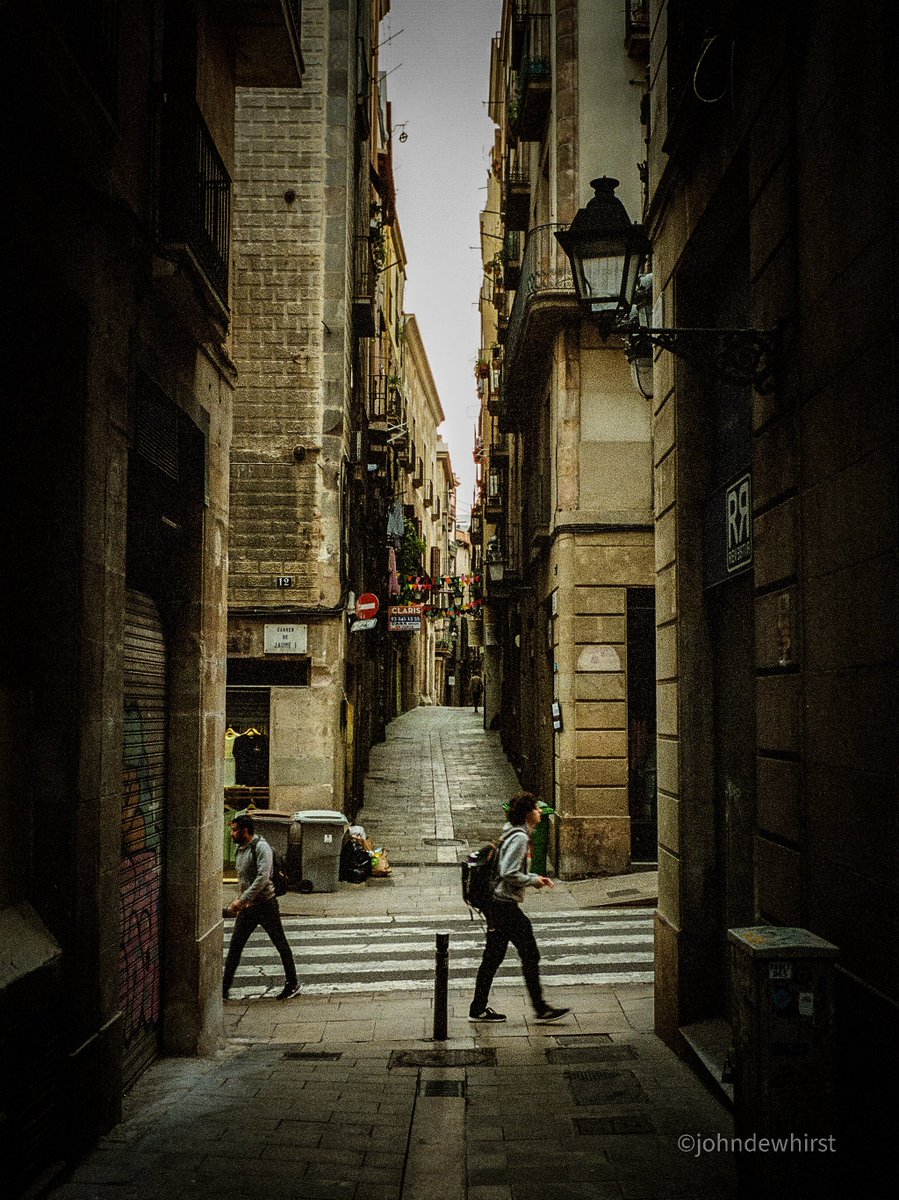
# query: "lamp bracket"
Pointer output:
{"type": "Point", "coordinates": [738, 356]}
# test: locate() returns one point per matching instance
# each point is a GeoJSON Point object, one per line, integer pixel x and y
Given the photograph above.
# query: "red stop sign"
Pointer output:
{"type": "Point", "coordinates": [367, 606]}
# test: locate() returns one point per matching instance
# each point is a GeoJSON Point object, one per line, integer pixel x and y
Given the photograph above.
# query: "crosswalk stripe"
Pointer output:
{"type": "Point", "coordinates": [397, 953]}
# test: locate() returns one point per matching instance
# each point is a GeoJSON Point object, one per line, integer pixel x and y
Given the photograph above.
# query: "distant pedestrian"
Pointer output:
{"type": "Point", "coordinates": [475, 690]}
{"type": "Point", "coordinates": [505, 920]}
{"type": "Point", "coordinates": [257, 904]}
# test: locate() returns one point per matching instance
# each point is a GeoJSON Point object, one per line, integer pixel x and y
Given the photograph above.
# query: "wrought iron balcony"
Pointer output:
{"type": "Point", "coordinates": [533, 91]}
{"type": "Point", "coordinates": [544, 297]}
{"type": "Point", "coordinates": [516, 190]}
{"type": "Point", "coordinates": [195, 192]}
{"type": "Point", "coordinates": [377, 398]}
{"type": "Point", "coordinates": [512, 259]}
{"type": "Point", "coordinates": [636, 28]}
{"type": "Point", "coordinates": [364, 289]}
{"type": "Point", "coordinates": [545, 277]}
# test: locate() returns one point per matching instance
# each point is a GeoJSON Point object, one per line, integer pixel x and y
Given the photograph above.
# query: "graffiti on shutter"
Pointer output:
{"type": "Point", "coordinates": [143, 818]}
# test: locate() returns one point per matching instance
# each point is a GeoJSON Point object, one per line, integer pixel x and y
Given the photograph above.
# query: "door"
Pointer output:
{"type": "Point", "coordinates": [641, 724]}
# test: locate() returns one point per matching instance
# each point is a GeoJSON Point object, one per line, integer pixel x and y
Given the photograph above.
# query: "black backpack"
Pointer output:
{"type": "Point", "coordinates": [480, 875]}
{"type": "Point", "coordinates": [279, 872]}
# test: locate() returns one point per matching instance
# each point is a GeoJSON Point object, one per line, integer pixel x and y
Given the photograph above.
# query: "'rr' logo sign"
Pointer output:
{"type": "Point", "coordinates": [738, 500]}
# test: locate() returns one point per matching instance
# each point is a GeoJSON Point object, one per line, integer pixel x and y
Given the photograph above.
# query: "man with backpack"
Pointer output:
{"type": "Point", "coordinates": [505, 920]}
{"type": "Point", "coordinates": [257, 904]}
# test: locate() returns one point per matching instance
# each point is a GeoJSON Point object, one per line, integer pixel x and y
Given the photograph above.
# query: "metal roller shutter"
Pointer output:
{"type": "Point", "coordinates": [143, 822]}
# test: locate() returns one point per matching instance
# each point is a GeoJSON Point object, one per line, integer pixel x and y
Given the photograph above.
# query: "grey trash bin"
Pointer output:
{"type": "Point", "coordinates": [322, 838]}
{"type": "Point", "coordinates": [275, 827]}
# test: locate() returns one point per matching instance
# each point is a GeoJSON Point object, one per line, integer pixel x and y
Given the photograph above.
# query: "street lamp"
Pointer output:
{"type": "Point", "coordinates": [607, 252]}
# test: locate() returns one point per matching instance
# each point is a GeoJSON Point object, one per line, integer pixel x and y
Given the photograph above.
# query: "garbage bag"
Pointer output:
{"type": "Point", "coordinates": [355, 862]}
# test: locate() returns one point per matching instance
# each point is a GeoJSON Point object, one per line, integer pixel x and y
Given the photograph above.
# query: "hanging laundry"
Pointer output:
{"type": "Point", "coordinates": [396, 527]}
{"type": "Point", "coordinates": [393, 580]}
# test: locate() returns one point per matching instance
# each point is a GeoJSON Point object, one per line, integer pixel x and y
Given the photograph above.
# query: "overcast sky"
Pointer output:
{"type": "Point", "coordinates": [439, 71]}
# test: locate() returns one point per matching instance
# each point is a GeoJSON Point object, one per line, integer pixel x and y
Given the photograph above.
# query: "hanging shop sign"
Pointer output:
{"type": "Point", "coordinates": [404, 618]}
{"type": "Point", "coordinates": [285, 639]}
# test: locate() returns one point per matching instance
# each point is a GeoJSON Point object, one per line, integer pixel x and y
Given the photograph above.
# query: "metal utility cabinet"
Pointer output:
{"type": "Point", "coordinates": [783, 989]}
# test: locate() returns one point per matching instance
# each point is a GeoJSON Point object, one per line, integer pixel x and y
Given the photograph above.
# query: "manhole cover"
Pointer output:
{"type": "Point", "coordinates": [583, 1039]}
{"type": "Point", "coordinates": [605, 1087]}
{"type": "Point", "coordinates": [637, 1122]}
{"type": "Point", "coordinates": [314, 1055]}
{"type": "Point", "coordinates": [590, 1054]}
{"type": "Point", "coordinates": [443, 1087]}
{"type": "Point", "coordinates": [443, 1058]}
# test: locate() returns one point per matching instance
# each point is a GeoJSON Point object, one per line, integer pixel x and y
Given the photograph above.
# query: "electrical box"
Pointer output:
{"type": "Point", "coordinates": [783, 996]}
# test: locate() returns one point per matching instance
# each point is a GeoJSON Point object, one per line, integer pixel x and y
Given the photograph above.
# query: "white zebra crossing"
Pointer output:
{"type": "Point", "coordinates": [391, 954]}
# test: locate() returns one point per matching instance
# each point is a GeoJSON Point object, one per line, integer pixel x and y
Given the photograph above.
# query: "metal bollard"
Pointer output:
{"type": "Point", "coordinates": [441, 984]}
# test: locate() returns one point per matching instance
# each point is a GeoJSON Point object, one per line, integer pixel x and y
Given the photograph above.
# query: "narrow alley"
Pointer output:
{"type": "Point", "coordinates": [343, 1091]}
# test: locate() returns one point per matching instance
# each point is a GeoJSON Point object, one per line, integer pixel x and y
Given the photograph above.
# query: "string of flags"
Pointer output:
{"type": "Point", "coordinates": [455, 610]}
{"type": "Point", "coordinates": [428, 583]}
{"type": "Point", "coordinates": [450, 588]}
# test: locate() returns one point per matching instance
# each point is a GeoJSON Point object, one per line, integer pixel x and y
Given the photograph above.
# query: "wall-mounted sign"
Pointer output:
{"type": "Point", "coordinates": [557, 716]}
{"type": "Point", "coordinates": [285, 639]}
{"type": "Point", "coordinates": [367, 606]}
{"type": "Point", "coordinates": [599, 658]}
{"type": "Point", "coordinates": [727, 542]}
{"type": "Point", "coordinates": [361, 626]}
{"type": "Point", "coordinates": [404, 618]}
{"type": "Point", "coordinates": [283, 581]}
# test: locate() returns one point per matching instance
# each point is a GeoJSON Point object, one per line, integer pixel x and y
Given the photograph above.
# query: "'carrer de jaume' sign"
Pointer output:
{"type": "Point", "coordinates": [285, 639]}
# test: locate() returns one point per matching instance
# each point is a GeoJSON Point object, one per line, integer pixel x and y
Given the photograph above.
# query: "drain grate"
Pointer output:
{"type": "Point", "coordinates": [636, 1122]}
{"type": "Point", "coordinates": [443, 1087]}
{"type": "Point", "coordinates": [590, 1054]}
{"type": "Point", "coordinates": [605, 1087]}
{"type": "Point", "coordinates": [314, 1055]}
{"type": "Point", "coordinates": [441, 842]}
{"type": "Point", "coordinates": [443, 1058]}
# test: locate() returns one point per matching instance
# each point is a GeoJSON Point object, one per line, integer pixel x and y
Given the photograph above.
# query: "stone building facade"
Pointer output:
{"type": "Point", "coordinates": [117, 286]}
{"type": "Point", "coordinates": [335, 417]}
{"type": "Point", "coordinates": [566, 476]}
{"type": "Point", "coordinates": [773, 176]}
{"type": "Point", "coordinates": [303, 161]}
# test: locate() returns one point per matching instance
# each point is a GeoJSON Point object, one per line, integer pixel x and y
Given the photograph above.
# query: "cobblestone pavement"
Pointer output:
{"type": "Point", "coordinates": [329, 1096]}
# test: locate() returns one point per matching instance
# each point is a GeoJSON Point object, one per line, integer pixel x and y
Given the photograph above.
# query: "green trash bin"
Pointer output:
{"type": "Point", "coordinates": [539, 838]}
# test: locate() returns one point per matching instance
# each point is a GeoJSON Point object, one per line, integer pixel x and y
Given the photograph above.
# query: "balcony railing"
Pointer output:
{"type": "Point", "coordinates": [545, 272]}
{"type": "Point", "coordinates": [364, 278]}
{"type": "Point", "coordinates": [195, 193]}
{"type": "Point", "coordinates": [636, 27]}
{"type": "Point", "coordinates": [534, 79]}
{"type": "Point", "coordinates": [377, 398]}
{"type": "Point", "coordinates": [516, 190]}
{"type": "Point", "coordinates": [512, 258]}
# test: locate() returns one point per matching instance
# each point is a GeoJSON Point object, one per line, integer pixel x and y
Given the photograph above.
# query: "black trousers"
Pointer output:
{"type": "Point", "coordinates": [268, 915]}
{"type": "Point", "coordinates": [507, 923]}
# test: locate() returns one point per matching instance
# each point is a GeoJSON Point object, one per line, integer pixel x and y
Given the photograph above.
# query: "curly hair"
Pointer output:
{"type": "Point", "coordinates": [520, 806]}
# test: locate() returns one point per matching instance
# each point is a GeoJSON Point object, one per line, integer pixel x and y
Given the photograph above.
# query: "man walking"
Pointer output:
{"type": "Point", "coordinates": [475, 690]}
{"type": "Point", "coordinates": [257, 904]}
{"type": "Point", "coordinates": [505, 920]}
